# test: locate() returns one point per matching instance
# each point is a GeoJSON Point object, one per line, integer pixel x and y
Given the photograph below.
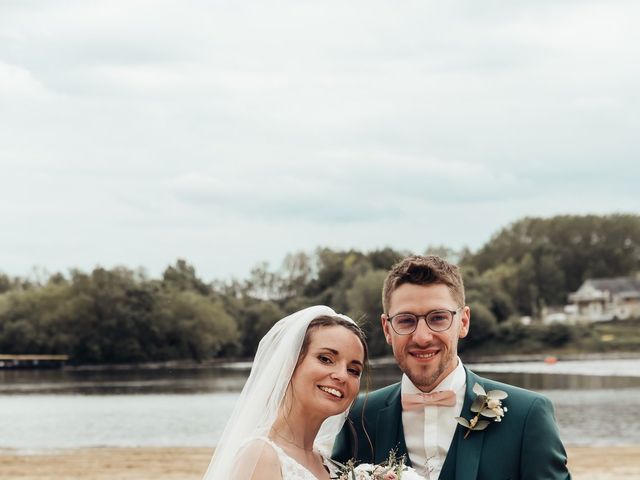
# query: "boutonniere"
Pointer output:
{"type": "Point", "coordinates": [486, 404]}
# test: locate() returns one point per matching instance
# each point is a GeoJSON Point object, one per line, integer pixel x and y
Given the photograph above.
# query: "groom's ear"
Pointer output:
{"type": "Point", "coordinates": [385, 328]}
{"type": "Point", "coordinates": [465, 321]}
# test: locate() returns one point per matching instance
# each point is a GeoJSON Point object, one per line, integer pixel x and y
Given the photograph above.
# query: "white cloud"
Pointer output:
{"type": "Point", "coordinates": [134, 132]}
{"type": "Point", "coordinates": [18, 81]}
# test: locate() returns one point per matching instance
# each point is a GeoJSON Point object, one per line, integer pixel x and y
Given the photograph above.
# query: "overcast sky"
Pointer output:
{"type": "Point", "coordinates": [233, 132]}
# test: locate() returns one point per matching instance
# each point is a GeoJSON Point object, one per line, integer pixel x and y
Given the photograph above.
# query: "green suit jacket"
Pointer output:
{"type": "Point", "coordinates": [524, 445]}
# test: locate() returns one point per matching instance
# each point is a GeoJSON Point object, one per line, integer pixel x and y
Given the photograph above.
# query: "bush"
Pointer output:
{"type": "Point", "coordinates": [481, 328]}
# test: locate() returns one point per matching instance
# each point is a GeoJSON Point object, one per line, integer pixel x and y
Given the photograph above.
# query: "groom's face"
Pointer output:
{"type": "Point", "coordinates": [425, 356]}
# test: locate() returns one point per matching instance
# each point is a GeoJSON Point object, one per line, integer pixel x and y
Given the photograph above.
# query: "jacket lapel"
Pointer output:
{"type": "Point", "coordinates": [389, 432]}
{"type": "Point", "coordinates": [470, 448]}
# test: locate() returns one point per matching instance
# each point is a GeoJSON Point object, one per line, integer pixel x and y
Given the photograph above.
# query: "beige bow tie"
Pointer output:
{"type": "Point", "coordinates": [415, 401]}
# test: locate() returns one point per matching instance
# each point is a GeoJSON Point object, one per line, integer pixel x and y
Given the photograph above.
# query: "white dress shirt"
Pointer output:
{"type": "Point", "coordinates": [428, 432]}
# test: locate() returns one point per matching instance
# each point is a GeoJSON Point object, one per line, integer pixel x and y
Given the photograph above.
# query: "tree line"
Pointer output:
{"type": "Point", "coordinates": [121, 315]}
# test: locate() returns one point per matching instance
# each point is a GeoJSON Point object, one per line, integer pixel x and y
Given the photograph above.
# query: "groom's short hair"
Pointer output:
{"type": "Point", "coordinates": [423, 270]}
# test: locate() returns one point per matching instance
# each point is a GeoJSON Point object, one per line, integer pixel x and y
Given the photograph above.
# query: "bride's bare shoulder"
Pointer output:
{"type": "Point", "coordinates": [257, 461]}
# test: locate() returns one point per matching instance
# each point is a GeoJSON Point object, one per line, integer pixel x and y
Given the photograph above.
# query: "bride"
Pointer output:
{"type": "Point", "coordinates": [305, 376]}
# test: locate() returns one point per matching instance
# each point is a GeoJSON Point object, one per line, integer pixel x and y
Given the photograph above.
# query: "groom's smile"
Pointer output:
{"type": "Point", "coordinates": [423, 355]}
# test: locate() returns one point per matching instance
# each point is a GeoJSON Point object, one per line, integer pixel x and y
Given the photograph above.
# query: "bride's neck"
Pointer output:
{"type": "Point", "coordinates": [296, 431]}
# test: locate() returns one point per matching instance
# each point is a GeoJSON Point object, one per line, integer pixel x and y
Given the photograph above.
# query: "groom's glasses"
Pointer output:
{"type": "Point", "coordinates": [437, 320]}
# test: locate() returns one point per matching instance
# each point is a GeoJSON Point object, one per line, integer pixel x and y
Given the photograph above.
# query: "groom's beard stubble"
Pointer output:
{"type": "Point", "coordinates": [421, 375]}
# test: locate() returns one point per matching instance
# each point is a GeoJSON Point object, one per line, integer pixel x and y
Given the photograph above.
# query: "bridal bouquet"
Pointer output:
{"type": "Point", "coordinates": [392, 469]}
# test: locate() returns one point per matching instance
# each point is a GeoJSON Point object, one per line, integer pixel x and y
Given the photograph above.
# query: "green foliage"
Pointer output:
{"type": "Point", "coordinates": [5, 283]}
{"type": "Point", "coordinates": [512, 332]}
{"type": "Point", "coordinates": [116, 316]}
{"type": "Point", "coordinates": [540, 261]}
{"type": "Point", "coordinates": [183, 277]}
{"type": "Point", "coordinates": [120, 316]}
{"type": "Point", "coordinates": [515, 337]}
{"type": "Point", "coordinates": [29, 320]}
{"type": "Point", "coordinates": [189, 325]}
{"type": "Point", "coordinates": [487, 290]}
{"type": "Point", "coordinates": [483, 326]}
{"type": "Point", "coordinates": [385, 258]}
{"type": "Point", "coordinates": [254, 321]}
{"type": "Point", "coordinates": [365, 303]}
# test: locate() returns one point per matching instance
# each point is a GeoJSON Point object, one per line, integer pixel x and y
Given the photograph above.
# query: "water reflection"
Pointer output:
{"type": "Point", "coordinates": [189, 407]}
{"type": "Point", "coordinates": [136, 381]}
{"type": "Point", "coordinates": [598, 417]}
{"type": "Point", "coordinates": [231, 378]}
{"type": "Point", "coordinates": [542, 381]}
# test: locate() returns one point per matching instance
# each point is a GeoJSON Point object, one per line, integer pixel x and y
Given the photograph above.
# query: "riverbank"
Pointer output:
{"type": "Point", "coordinates": [586, 463]}
{"type": "Point", "coordinates": [245, 363]}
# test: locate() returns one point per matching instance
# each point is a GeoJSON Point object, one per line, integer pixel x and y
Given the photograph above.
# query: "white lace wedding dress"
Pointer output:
{"type": "Point", "coordinates": [292, 470]}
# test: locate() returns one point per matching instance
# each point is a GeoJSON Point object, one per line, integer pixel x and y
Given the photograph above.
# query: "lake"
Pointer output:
{"type": "Point", "coordinates": [597, 403]}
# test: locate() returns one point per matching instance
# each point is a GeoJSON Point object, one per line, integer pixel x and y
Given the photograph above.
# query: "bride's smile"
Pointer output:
{"type": "Point", "coordinates": [327, 378]}
{"type": "Point", "coordinates": [332, 391]}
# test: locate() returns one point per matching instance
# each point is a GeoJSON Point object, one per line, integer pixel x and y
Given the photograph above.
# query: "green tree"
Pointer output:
{"type": "Point", "coordinates": [364, 300]}
{"type": "Point", "coordinates": [254, 321]}
{"type": "Point", "coordinates": [482, 327]}
{"type": "Point", "coordinates": [5, 283]}
{"type": "Point", "coordinates": [112, 318]}
{"type": "Point", "coordinates": [31, 321]}
{"type": "Point", "coordinates": [489, 289]}
{"type": "Point", "coordinates": [190, 325]}
{"type": "Point", "coordinates": [297, 272]}
{"type": "Point", "coordinates": [182, 276]}
{"type": "Point", "coordinates": [557, 254]}
{"type": "Point", "coordinates": [262, 283]}
{"type": "Point", "coordinates": [385, 258]}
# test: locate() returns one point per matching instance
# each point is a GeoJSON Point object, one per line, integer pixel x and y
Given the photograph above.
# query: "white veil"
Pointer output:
{"type": "Point", "coordinates": [257, 407]}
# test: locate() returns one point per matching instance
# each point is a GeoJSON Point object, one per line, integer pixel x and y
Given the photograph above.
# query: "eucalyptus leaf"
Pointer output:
{"type": "Point", "coordinates": [478, 390]}
{"type": "Point", "coordinates": [487, 412]}
{"type": "Point", "coordinates": [481, 425]}
{"type": "Point", "coordinates": [463, 421]}
{"type": "Point", "coordinates": [478, 403]}
{"type": "Point", "coordinates": [497, 394]}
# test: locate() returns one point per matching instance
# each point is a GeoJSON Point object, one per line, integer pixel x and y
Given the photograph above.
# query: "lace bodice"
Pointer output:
{"type": "Point", "coordinates": [292, 470]}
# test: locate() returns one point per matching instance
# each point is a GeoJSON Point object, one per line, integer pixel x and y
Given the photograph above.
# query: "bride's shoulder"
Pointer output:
{"type": "Point", "coordinates": [257, 460]}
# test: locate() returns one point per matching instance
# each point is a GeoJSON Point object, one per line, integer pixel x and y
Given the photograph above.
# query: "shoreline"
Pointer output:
{"type": "Point", "coordinates": [239, 363]}
{"type": "Point", "coordinates": [184, 463]}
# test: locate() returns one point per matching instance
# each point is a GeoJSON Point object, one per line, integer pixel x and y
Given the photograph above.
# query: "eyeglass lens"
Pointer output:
{"type": "Point", "coordinates": [437, 321]}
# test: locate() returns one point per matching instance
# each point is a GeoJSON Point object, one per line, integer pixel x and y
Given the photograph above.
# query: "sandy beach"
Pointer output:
{"type": "Point", "coordinates": [586, 463]}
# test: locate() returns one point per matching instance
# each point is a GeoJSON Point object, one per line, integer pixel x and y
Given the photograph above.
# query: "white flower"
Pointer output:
{"type": "Point", "coordinates": [486, 404]}
{"type": "Point", "coordinates": [410, 474]}
{"type": "Point", "coordinates": [368, 471]}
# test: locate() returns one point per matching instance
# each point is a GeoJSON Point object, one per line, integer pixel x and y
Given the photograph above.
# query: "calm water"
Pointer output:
{"type": "Point", "coordinates": [597, 403]}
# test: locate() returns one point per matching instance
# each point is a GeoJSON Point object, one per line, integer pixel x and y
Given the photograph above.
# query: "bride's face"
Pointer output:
{"type": "Point", "coordinates": [327, 379]}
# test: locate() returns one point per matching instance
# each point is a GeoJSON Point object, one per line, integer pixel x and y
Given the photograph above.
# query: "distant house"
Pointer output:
{"type": "Point", "coordinates": [602, 299]}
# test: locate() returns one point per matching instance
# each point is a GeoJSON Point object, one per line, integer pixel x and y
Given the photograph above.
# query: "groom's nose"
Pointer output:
{"type": "Point", "coordinates": [423, 334]}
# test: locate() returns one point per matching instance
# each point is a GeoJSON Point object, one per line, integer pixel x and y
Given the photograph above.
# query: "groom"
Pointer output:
{"type": "Point", "coordinates": [425, 315]}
